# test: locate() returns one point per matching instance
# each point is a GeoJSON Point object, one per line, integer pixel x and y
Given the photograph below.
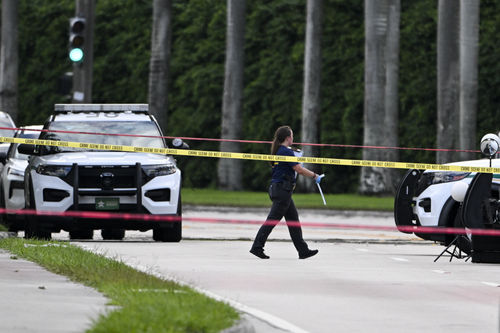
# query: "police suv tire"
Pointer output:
{"type": "Point", "coordinates": [81, 234]}
{"type": "Point", "coordinates": [172, 234]}
{"type": "Point", "coordinates": [33, 227]}
{"type": "Point", "coordinates": [35, 230]}
{"type": "Point", "coordinates": [113, 234]}
{"type": "Point", "coordinates": [3, 216]}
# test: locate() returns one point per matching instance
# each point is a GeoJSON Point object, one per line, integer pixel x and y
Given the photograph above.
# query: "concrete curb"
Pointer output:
{"type": "Point", "coordinates": [265, 210]}
{"type": "Point", "coordinates": [7, 234]}
{"type": "Point", "coordinates": [242, 326]}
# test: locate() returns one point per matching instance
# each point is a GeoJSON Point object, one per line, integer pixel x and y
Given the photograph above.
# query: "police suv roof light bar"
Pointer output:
{"type": "Point", "coordinates": [101, 107]}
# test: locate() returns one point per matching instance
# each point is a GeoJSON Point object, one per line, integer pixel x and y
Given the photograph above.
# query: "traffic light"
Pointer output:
{"type": "Point", "coordinates": [76, 39]}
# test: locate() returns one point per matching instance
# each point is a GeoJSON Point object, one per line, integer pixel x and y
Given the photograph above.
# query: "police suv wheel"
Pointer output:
{"type": "Point", "coordinates": [173, 234]}
{"type": "Point", "coordinates": [35, 230]}
{"type": "Point", "coordinates": [3, 216]}
{"type": "Point", "coordinates": [33, 227]}
{"type": "Point", "coordinates": [113, 234]}
{"type": "Point", "coordinates": [81, 234]}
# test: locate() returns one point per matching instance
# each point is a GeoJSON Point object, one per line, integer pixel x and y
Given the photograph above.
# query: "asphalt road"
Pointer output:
{"type": "Point", "coordinates": [360, 280]}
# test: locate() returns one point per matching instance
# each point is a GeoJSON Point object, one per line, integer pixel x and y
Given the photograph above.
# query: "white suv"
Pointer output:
{"type": "Point", "coordinates": [64, 179]}
{"type": "Point", "coordinates": [424, 198]}
{"type": "Point", "coordinates": [12, 179]}
{"type": "Point", "coordinates": [9, 130]}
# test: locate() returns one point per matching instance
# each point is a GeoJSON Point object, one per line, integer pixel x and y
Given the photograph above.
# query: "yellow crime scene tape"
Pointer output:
{"type": "Point", "coordinates": [255, 157]}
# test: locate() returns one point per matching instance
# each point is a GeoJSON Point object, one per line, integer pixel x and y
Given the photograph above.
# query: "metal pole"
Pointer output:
{"type": "Point", "coordinates": [82, 72]}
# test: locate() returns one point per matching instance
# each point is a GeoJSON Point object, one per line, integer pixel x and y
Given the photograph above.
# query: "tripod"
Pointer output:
{"type": "Point", "coordinates": [456, 252]}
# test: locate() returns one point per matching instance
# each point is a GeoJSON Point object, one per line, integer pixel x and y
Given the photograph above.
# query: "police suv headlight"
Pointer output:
{"type": "Point", "coordinates": [152, 171]}
{"type": "Point", "coordinates": [440, 177]}
{"type": "Point", "coordinates": [15, 172]}
{"type": "Point", "coordinates": [53, 170]}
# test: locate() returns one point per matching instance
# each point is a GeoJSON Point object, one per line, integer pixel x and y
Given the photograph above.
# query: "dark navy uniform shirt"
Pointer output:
{"type": "Point", "coordinates": [283, 170]}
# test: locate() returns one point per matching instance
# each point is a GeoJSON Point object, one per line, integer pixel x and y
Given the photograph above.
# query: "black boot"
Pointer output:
{"type": "Point", "coordinates": [307, 254]}
{"type": "Point", "coordinates": [259, 253]}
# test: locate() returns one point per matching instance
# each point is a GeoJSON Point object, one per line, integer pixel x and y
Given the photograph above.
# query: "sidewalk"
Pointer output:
{"type": "Point", "coordinates": [35, 300]}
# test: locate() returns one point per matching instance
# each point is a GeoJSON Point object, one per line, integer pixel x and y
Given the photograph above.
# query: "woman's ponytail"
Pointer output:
{"type": "Point", "coordinates": [279, 137]}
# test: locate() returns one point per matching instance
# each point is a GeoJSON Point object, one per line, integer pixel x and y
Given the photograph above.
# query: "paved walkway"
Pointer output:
{"type": "Point", "coordinates": [35, 300]}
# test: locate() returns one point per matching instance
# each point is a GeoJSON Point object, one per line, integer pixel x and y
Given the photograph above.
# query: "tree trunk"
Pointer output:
{"type": "Point", "coordinates": [381, 96]}
{"type": "Point", "coordinates": [9, 58]}
{"type": "Point", "coordinates": [311, 102]}
{"type": "Point", "coordinates": [469, 48]}
{"type": "Point", "coordinates": [230, 170]}
{"type": "Point", "coordinates": [159, 63]}
{"type": "Point", "coordinates": [391, 138]}
{"type": "Point", "coordinates": [448, 80]}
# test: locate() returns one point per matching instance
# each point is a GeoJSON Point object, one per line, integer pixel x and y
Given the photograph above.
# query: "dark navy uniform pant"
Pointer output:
{"type": "Point", "coordinates": [283, 206]}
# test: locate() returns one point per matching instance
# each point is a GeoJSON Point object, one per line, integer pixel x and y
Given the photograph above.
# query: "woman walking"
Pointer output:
{"type": "Point", "coordinates": [283, 180]}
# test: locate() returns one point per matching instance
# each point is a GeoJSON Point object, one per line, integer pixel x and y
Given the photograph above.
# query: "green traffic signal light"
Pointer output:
{"type": "Point", "coordinates": [76, 39]}
{"type": "Point", "coordinates": [76, 54]}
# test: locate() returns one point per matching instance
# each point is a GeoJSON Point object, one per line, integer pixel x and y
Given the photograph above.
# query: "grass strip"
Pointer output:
{"type": "Point", "coordinates": [214, 197]}
{"type": "Point", "coordinates": [144, 303]}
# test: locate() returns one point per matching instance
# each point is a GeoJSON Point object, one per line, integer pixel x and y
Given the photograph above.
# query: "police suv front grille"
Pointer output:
{"type": "Point", "coordinates": [106, 177]}
{"type": "Point", "coordinates": [106, 181]}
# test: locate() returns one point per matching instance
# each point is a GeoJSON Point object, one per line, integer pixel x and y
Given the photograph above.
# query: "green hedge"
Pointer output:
{"type": "Point", "coordinates": [274, 50]}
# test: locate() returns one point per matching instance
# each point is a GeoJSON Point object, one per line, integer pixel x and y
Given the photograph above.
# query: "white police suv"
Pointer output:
{"type": "Point", "coordinates": [8, 131]}
{"type": "Point", "coordinates": [12, 179]}
{"type": "Point", "coordinates": [454, 199]}
{"type": "Point", "coordinates": [63, 179]}
{"type": "Point", "coordinates": [424, 197]}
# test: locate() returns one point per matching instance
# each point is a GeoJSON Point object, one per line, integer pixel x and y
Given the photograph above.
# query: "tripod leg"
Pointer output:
{"type": "Point", "coordinates": [447, 249]}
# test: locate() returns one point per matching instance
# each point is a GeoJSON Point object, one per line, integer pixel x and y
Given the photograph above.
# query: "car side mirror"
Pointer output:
{"type": "Point", "coordinates": [179, 144]}
{"type": "Point", "coordinates": [26, 149]}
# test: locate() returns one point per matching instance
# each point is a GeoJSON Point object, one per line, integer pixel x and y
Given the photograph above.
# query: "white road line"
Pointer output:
{"type": "Point", "coordinates": [439, 271]}
{"type": "Point", "coordinates": [399, 259]}
{"type": "Point", "coordinates": [363, 250]}
{"type": "Point", "coordinates": [491, 284]}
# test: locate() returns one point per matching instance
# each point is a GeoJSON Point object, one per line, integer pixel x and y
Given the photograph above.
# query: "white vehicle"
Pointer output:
{"type": "Point", "coordinates": [6, 122]}
{"type": "Point", "coordinates": [453, 199]}
{"type": "Point", "coordinates": [12, 179]}
{"type": "Point", "coordinates": [62, 179]}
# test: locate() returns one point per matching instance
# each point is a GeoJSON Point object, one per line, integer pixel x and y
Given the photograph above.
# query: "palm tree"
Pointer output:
{"type": "Point", "coordinates": [380, 119]}
{"type": "Point", "coordinates": [469, 49]}
{"type": "Point", "coordinates": [230, 170]}
{"type": "Point", "coordinates": [311, 105]}
{"type": "Point", "coordinates": [448, 79]}
{"type": "Point", "coordinates": [9, 58]}
{"type": "Point", "coordinates": [391, 97]}
{"type": "Point", "coordinates": [159, 62]}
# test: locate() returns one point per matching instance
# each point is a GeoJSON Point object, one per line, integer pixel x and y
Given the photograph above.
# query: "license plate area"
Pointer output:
{"type": "Point", "coordinates": [107, 203]}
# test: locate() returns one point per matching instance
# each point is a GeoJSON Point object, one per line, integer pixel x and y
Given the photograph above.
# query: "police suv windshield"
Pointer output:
{"type": "Point", "coordinates": [109, 127]}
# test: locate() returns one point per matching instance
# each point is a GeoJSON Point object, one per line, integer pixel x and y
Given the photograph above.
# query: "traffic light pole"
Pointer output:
{"type": "Point", "coordinates": [82, 71]}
